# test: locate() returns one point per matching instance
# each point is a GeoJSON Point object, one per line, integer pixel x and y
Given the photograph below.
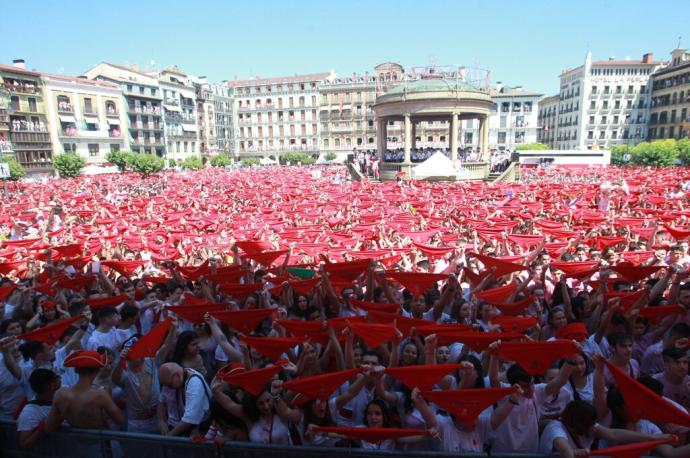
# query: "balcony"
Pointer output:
{"type": "Point", "coordinates": [23, 88]}
{"type": "Point", "coordinates": [65, 108]}
{"type": "Point", "coordinates": [112, 114]}
{"type": "Point", "coordinates": [153, 111]}
{"type": "Point", "coordinates": [24, 107]}
{"type": "Point", "coordinates": [5, 147]}
{"type": "Point", "coordinates": [90, 112]}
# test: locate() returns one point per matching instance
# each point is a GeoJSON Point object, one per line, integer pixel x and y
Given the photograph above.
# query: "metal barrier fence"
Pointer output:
{"type": "Point", "coordinates": [79, 443]}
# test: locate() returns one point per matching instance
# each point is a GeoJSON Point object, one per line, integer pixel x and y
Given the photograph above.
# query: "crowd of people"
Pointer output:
{"type": "Point", "coordinates": [548, 316]}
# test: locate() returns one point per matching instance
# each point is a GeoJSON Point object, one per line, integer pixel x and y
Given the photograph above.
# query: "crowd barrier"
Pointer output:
{"type": "Point", "coordinates": [78, 443]}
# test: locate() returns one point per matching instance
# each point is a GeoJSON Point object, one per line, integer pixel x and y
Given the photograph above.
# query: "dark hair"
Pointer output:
{"type": "Point", "coordinates": [41, 380]}
{"type": "Point", "coordinates": [516, 373]}
{"type": "Point", "coordinates": [579, 413]}
{"type": "Point", "coordinates": [680, 330]}
{"type": "Point", "coordinates": [479, 383]}
{"type": "Point", "coordinates": [384, 410]}
{"type": "Point", "coordinates": [224, 418]}
{"type": "Point", "coordinates": [616, 404]}
{"type": "Point", "coordinates": [372, 353]}
{"type": "Point", "coordinates": [620, 284]}
{"type": "Point", "coordinates": [6, 324]}
{"type": "Point", "coordinates": [311, 419]}
{"type": "Point", "coordinates": [616, 338]}
{"type": "Point", "coordinates": [652, 383]}
{"type": "Point", "coordinates": [249, 403]}
{"type": "Point", "coordinates": [128, 311]}
{"type": "Point", "coordinates": [105, 312]}
{"type": "Point", "coordinates": [183, 340]}
{"type": "Point", "coordinates": [673, 353]}
{"type": "Point", "coordinates": [30, 349]}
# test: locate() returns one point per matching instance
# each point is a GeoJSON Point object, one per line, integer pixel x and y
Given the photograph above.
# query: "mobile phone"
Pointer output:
{"type": "Point", "coordinates": [96, 266]}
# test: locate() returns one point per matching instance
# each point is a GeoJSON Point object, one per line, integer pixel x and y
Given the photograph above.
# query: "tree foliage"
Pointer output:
{"type": "Point", "coordinates": [618, 153]}
{"type": "Point", "coordinates": [146, 164]}
{"type": "Point", "coordinates": [69, 165]}
{"type": "Point", "coordinates": [17, 172]}
{"type": "Point", "coordinates": [532, 147]}
{"type": "Point", "coordinates": [248, 162]}
{"type": "Point", "coordinates": [295, 157]}
{"type": "Point", "coordinates": [221, 160]}
{"type": "Point", "coordinates": [121, 159]}
{"type": "Point", "coordinates": [684, 151]}
{"type": "Point", "coordinates": [193, 163]}
{"type": "Point", "coordinates": [659, 153]}
{"type": "Point", "coordinates": [330, 156]}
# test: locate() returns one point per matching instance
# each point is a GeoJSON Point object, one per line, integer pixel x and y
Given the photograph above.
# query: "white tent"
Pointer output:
{"type": "Point", "coordinates": [438, 165]}
{"type": "Point", "coordinates": [267, 161]}
{"type": "Point", "coordinates": [97, 169]}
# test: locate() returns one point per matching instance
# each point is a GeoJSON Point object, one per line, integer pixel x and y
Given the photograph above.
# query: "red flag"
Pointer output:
{"type": "Point", "coordinates": [467, 404]}
{"type": "Point", "coordinates": [69, 251]}
{"type": "Point", "coordinates": [348, 270]}
{"type": "Point", "coordinates": [417, 282]}
{"type": "Point", "coordinates": [125, 268]}
{"type": "Point", "coordinates": [244, 321]}
{"type": "Point", "coordinates": [515, 308]}
{"type": "Point", "coordinates": [635, 450]}
{"type": "Point", "coordinates": [473, 278]}
{"type": "Point", "coordinates": [423, 377]}
{"type": "Point", "coordinates": [404, 324]}
{"type": "Point", "coordinates": [643, 403]}
{"type": "Point", "coordinates": [574, 331]}
{"type": "Point", "coordinates": [434, 251]}
{"type": "Point", "coordinates": [526, 241]}
{"type": "Point", "coordinates": [147, 346]}
{"type": "Point", "coordinates": [7, 267]}
{"type": "Point", "coordinates": [369, 434]}
{"type": "Point", "coordinates": [304, 330]}
{"type": "Point", "coordinates": [477, 341]}
{"type": "Point", "coordinates": [635, 273]}
{"type": "Point", "coordinates": [194, 313]}
{"type": "Point", "coordinates": [6, 291]}
{"type": "Point", "coordinates": [110, 301]}
{"type": "Point", "coordinates": [374, 334]}
{"type": "Point", "coordinates": [271, 347]}
{"type": "Point", "coordinates": [240, 291]}
{"type": "Point", "coordinates": [267, 257]}
{"type": "Point", "coordinates": [656, 314]}
{"type": "Point", "coordinates": [51, 333]}
{"type": "Point", "coordinates": [376, 306]}
{"type": "Point", "coordinates": [254, 381]}
{"type": "Point", "coordinates": [502, 267]}
{"type": "Point", "coordinates": [320, 386]}
{"type": "Point", "coordinates": [497, 295]}
{"type": "Point", "coordinates": [537, 357]}
{"type": "Point", "coordinates": [678, 234]}
{"type": "Point", "coordinates": [514, 323]}
{"type": "Point", "coordinates": [253, 246]}
{"type": "Point", "coordinates": [576, 269]}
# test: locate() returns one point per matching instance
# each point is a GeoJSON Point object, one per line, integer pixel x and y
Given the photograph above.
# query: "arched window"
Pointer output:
{"type": "Point", "coordinates": [64, 103]}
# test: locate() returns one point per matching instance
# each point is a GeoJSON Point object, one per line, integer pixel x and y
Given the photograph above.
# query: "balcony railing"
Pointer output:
{"type": "Point", "coordinates": [5, 146]}
{"type": "Point", "coordinates": [23, 126]}
{"type": "Point", "coordinates": [22, 88]}
{"type": "Point", "coordinates": [112, 113]}
{"type": "Point", "coordinates": [65, 108]}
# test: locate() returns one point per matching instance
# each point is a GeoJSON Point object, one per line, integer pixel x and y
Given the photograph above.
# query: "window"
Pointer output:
{"type": "Point", "coordinates": [614, 134]}
{"type": "Point", "coordinates": [186, 147]}
{"type": "Point", "coordinates": [32, 104]}
{"type": "Point", "coordinates": [91, 126]}
{"type": "Point", "coordinates": [606, 105]}
{"type": "Point", "coordinates": [93, 150]}
{"type": "Point", "coordinates": [505, 107]}
{"type": "Point", "coordinates": [604, 119]}
{"type": "Point", "coordinates": [337, 142]}
{"type": "Point", "coordinates": [602, 134]}
{"type": "Point", "coordinates": [88, 107]}
{"type": "Point", "coordinates": [114, 147]}
{"type": "Point", "coordinates": [592, 105]}
{"type": "Point", "coordinates": [607, 89]}
{"type": "Point", "coordinates": [617, 104]}
{"type": "Point", "coordinates": [591, 119]}
{"type": "Point", "coordinates": [69, 148]}
{"type": "Point", "coordinates": [501, 137]}
{"type": "Point", "coordinates": [590, 135]}
{"type": "Point", "coordinates": [468, 137]}
{"type": "Point", "coordinates": [504, 122]}
{"type": "Point", "coordinates": [371, 140]}
{"type": "Point", "coordinates": [619, 89]}
{"type": "Point", "coordinates": [594, 89]}
{"type": "Point", "coordinates": [631, 89]}
{"type": "Point", "coordinates": [442, 138]}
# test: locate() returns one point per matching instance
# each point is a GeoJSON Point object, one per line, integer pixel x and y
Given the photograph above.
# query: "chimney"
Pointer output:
{"type": "Point", "coordinates": [647, 58]}
{"type": "Point", "coordinates": [19, 63]}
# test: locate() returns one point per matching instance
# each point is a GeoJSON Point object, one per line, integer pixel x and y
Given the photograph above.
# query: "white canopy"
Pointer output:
{"type": "Point", "coordinates": [438, 165]}
{"type": "Point", "coordinates": [98, 169]}
{"type": "Point", "coordinates": [267, 161]}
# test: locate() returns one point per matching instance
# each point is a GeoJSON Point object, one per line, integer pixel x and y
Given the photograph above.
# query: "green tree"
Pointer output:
{"type": "Point", "coordinates": [684, 151]}
{"type": "Point", "coordinates": [618, 153]}
{"type": "Point", "coordinates": [248, 162]}
{"type": "Point", "coordinates": [193, 163]}
{"type": "Point", "coordinates": [146, 164]}
{"type": "Point", "coordinates": [69, 165]}
{"type": "Point", "coordinates": [121, 159]}
{"type": "Point", "coordinates": [659, 153]}
{"type": "Point", "coordinates": [17, 172]}
{"type": "Point", "coordinates": [297, 156]}
{"type": "Point", "coordinates": [221, 160]}
{"type": "Point", "coordinates": [330, 156]}
{"type": "Point", "coordinates": [532, 147]}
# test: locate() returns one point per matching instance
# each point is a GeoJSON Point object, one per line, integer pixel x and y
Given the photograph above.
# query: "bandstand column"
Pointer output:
{"type": "Point", "coordinates": [413, 137]}
{"type": "Point", "coordinates": [482, 137]}
{"type": "Point", "coordinates": [408, 134]}
{"type": "Point", "coordinates": [381, 145]}
{"type": "Point", "coordinates": [453, 135]}
{"type": "Point", "coordinates": [485, 137]}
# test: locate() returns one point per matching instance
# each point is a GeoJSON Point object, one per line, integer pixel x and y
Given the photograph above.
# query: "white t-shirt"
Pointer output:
{"type": "Point", "coordinates": [556, 429]}
{"type": "Point", "coordinates": [111, 340]}
{"type": "Point", "coordinates": [520, 431]}
{"type": "Point", "coordinates": [454, 440]}
{"type": "Point", "coordinates": [32, 415]}
{"type": "Point", "coordinates": [585, 393]}
{"type": "Point", "coordinates": [352, 413]}
{"type": "Point", "coordinates": [196, 398]}
{"type": "Point", "coordinates": [11, 392]}
{"type": "Point", "coordinates": [273, 432]}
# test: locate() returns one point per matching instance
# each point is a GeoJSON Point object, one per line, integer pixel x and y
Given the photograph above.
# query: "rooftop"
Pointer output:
{"type": "Point", "coordinates": [84, 81]}
{"type": "Point", "coordinates": [432, 85]}
{"type": "Point", "coordinates": [310, 77]}
{"type": "Point", "coordinates": [513, 92]}
{"type": "Point", "coordinates": [18, 70]}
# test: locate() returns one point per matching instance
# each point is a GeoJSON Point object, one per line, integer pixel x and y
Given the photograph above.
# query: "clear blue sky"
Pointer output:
{"type": "Point", "coordinates": [523, 42]}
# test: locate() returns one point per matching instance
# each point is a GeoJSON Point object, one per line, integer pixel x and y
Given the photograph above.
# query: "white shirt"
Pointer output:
{"type": "Point", "coordinates": [196, 398]}
{"type": "Point", "coordinates": [11, 392]}
{"type": "Point", "coordinates": [454, 440]}
{"type": "Point", "coordinates": [520, 430]}
{"type": "Point", "coordinates": [554, 430]}
{"type": "Point", "coordinates": [110, 340]}
{"type": "Point", "coordinates": [32, 415]}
